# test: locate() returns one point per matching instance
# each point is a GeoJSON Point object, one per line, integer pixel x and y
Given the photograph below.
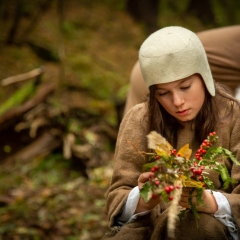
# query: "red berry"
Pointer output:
{"type": "Point", "coordinates": [194, 170]}
{"type": "Point", "coordinates": [153, 169]}
{"type": "Point", "coordinates": [200, 178]}
{"type": "Point", "coordinates": [170, 198]}
{"type": "Point", "coordinates": [212, 134]}
{"type": "Point", "coordinates": [157, 183]}
{"type": "Point", "coordinates": [167, 189]}
{"type": "Point", "coordinates": [154, 196]}
{"type": "Point", "coordinates": [156, 157]}
{"type": "Point", "coordinates": [174, 151]}
{"type": "Point", "coordinates": [199, 171]}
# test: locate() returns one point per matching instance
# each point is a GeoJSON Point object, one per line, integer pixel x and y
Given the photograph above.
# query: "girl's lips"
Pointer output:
{"type": "Point", "coordinates": [183, 113]}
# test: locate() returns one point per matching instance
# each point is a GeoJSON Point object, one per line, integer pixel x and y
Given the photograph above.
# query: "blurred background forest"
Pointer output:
{"type": "Point", "coordinates": [64, 72]}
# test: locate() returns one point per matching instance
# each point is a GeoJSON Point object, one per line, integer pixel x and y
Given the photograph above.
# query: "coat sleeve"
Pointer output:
{"type": "Point", "coordinates": [233, 196]}
{"type": "Point", "coordinates": [127, 160]}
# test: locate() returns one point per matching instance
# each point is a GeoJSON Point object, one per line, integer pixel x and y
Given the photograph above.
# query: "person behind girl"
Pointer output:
{"type": "Point", "coordinates": [222, 46]}
{"type": "Point", "coordinates": [184, 106]}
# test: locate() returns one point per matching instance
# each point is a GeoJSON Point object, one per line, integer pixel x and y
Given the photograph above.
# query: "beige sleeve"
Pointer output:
{"type": "Point", "coordinates": [137, 90]}
{"type": "Point", "coordinates": [222, 46]}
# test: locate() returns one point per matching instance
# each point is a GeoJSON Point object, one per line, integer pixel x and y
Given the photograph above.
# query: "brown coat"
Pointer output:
{"type": "Point", "coordinates": [128, 166]}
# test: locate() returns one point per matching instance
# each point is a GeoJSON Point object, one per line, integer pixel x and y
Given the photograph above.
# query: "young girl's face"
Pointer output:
{"type": "Point", "coordinates": [183, 98]}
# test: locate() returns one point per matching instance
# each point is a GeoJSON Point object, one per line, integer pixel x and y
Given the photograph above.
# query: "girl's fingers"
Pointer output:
{"type": "Point", "coordinates": [144, 177]}
{"type": "Point", "coordinates": [188, 192]}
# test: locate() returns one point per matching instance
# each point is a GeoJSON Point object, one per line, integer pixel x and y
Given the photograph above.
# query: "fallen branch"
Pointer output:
{"type": "Point", "coordinates": [42, 92]}
{"type": "Point", "coordinates": [40, 147]}
{"type": "Point", "coordinates": [22, 77]}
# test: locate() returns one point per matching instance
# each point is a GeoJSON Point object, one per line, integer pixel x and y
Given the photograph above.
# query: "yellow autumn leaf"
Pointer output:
{"type": "Point", "coordinates": [159, 144]}
{"type": "Point", "coordinates": [185, 151]}
{"type": "Point", "coordinates": [163, 149]}
{"type": "Point", "coordinates": [187, 182]}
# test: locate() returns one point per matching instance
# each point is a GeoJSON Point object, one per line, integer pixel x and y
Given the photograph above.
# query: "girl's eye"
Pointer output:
{"type": "Point", "coordinates": [162, 93]}
{"type": "Point", "coordinates": [185, 87]}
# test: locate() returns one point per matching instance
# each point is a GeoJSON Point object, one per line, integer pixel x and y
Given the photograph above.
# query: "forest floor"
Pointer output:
{"type": "Point", "coordinates": [50, 196]}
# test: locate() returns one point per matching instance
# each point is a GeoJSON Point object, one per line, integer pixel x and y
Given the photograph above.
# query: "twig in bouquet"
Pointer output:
{"type": "Point", "coordinates": [173, 209]}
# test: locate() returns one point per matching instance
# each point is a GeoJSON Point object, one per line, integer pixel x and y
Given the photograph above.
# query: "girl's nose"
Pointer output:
{"type": "Point", "coordinates": [177, 99]}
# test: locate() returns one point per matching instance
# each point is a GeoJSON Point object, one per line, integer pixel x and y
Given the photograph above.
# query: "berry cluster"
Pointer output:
{"type": "Point", "coordinates": [206, 144]}
{"type": "Point", "coordinates": [197, 172]}
{"type": "Point", "coordinates": [174, 153]}
{"type": "Point", "coordinates": [168, 190]}
{"type": "Point", "coordinates": [159, 183]}
{"type": "Point", "coordinates": [212, 138]}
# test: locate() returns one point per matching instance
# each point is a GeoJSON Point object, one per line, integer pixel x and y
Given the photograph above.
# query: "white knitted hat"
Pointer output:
{"type": "Point", "coordinates": [173, 53]}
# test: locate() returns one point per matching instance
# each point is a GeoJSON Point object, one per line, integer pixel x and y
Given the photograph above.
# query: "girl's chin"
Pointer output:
{"type": "Point", "coordinates": [184, 121]}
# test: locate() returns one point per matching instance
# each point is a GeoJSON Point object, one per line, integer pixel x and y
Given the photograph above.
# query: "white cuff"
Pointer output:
{"type": "Point", "coordinates": [130, 207]}
{"type": "Point", "coordinates": [224, 214]}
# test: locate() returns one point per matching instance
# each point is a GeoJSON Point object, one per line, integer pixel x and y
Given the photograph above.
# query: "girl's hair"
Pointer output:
{"type": "Point", "coordinates": [208, 118]}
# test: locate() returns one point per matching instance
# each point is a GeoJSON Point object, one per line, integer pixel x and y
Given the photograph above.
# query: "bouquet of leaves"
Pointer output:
{"type": "Point", "coordinates": [174, 170]}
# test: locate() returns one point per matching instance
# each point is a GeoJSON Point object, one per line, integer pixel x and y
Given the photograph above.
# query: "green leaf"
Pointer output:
{"type": "Point", "coordinates": [18, 97]}
{"type": "Point", "coordinates": [146, 192]}
{"type": "Point", "coordinates": [213, 152]}
{"type": "Point", "coordinates": [199, 195]}
{"type": "Point", "coordinates": [165, 196]}
{"type": "Point", "coordinates": [182, 214]}
{"type": "Point", "coordinates": [224, 173]}
{"type": "Point", "coordinates": [208, 182]}
{"type": "Point", "coordinates": [148, 166]}
{"type": "Point", "coordinates": [229, 181]}
{"type": "Point", "coordinates": [193, 205]}
{"type": "Point", "coordinates": [231, 156]}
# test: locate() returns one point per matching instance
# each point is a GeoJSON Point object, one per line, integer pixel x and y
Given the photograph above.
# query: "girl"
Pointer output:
{"type": "Point", "coordinates": [184, 106]}
{"type": "Point", "coordinates": [222, 46]}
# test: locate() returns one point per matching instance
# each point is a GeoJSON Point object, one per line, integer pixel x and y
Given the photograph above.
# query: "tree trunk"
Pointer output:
{"type": "Point", "coordinates": [16, 22]}
{"type": "Point", "coordinates": [203, 10]}
{"type": "Point", "coordinates": [37, 15]}
{"type": "Point", "coordinates": [145, 11]}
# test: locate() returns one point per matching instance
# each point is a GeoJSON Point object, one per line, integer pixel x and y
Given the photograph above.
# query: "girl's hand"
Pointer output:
{"type": "Point", "coordinates": [209, 206]}
{"type": "Point", "coordinates": [142, 205]}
